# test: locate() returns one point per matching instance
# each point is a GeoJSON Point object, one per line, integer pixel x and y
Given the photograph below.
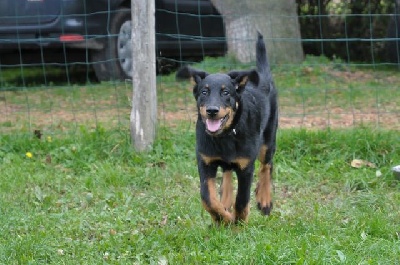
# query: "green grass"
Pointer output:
{"type": "Point", "coordinates": [85, 197]}
{"type": "Point", "coordinates": [90, 199]}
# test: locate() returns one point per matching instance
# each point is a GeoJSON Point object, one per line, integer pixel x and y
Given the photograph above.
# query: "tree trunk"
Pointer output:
{"type": "Point", "coordinates": [144, 102]}
{"type": "Point", "coordinates": [277, 20]}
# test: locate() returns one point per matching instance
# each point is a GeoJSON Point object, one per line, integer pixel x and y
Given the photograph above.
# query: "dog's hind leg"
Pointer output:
{"type": "Point", "coordinates": [227, 189]}
{"type": "Point", "coordinates": [264, 185]}
{"type": "Point", "coordinates": [266, 155]}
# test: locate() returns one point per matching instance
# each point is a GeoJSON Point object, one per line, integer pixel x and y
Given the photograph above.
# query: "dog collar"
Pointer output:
{"type": "Point", "coordinates": [237, 117]}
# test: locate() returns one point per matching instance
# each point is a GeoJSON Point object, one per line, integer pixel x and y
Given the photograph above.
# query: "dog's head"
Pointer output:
{"type": "Point", "coordinates": [218, 96]}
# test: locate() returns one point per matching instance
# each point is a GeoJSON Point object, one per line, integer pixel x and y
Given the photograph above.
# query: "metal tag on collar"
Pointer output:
{"type": "Point", "coordinates": [234, 131]}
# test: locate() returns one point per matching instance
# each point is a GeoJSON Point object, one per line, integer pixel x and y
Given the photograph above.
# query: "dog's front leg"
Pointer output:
{"type": "Point", "coordinates": [242, 207]}
{"type": "Point", "coordinates": [209, 195]}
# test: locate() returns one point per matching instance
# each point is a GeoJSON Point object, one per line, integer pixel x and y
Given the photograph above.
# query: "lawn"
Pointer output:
{"type": "Point", "coordinates": [81, 195]}
{"type": "Point", "coordinates": [90, 199]}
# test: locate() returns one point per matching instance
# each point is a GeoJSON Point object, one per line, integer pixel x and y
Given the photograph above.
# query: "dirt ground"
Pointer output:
{"type": "Point", "coordinates": [337, 118]}
{"type": "Point", "coordinates": [55, 111]}
{"type": "Point", "coordinates": [18, 117]}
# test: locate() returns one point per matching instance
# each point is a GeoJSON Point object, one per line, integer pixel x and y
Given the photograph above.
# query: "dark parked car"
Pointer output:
{"type": "Point", "coordinates": [100, 31]}
{"type": "Point", "coordinates": [393, 32]}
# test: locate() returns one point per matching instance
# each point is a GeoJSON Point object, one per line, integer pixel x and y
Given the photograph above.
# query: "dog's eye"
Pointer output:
{"type": "Point", "coordinates": [225, 92]}
{"type": "Point", "coordinates": [204, 92]}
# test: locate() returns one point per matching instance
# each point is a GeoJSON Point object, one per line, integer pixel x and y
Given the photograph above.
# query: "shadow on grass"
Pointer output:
{"type": "Point", "coordinates": [18, 77]}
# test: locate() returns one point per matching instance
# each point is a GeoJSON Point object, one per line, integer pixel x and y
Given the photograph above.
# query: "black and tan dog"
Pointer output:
{"type": "Point", "coordinates": [237, 122]}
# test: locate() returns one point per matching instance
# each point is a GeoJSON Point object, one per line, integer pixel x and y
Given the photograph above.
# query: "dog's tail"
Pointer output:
{"type": "Point", "coordinates": [262, 59]}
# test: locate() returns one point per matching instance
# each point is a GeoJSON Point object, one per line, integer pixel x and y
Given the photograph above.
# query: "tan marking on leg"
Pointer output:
{"type": "Point", "coordinates": [264, 187]}
{"type": "Point", "coordinates": [209, 210]}
{"type": "Point", "coordinates": [242, 216]}
{"type": "Point", "coordinates": [227, 190]}
{"type": "Point", "coordinates": [262, 153]}
{"type": "Point", "coordinates": [216, 208]}
{"type": "Point", "coordinates": [242, 162]}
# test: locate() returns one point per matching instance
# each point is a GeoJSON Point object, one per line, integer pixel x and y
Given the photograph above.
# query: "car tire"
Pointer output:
{"type": "Point", "coordinates": [114, 61]}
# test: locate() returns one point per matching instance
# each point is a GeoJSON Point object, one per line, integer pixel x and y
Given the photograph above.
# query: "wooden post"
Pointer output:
{"type": "Point", "coordinates": [143, 118]}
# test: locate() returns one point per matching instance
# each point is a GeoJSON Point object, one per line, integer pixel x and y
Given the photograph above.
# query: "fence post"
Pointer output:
{"type": "Point", "coordinates": [144, 99]}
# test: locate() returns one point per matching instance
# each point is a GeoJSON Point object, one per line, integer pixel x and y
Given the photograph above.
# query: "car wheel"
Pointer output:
{"type": "Point", "coordinates": [114, 61]}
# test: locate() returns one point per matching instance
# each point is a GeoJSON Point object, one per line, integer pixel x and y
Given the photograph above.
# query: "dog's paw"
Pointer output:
{"type": "Point", "coordinates": [225, 218]}
{"type": "Point", "coordinates": [265, 210]}
{"type": "Point", "coordinates": [241, 216]}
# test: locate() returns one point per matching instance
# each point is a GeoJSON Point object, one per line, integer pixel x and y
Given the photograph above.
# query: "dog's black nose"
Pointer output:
{"type": "Point", "coordinates": [212, 111]}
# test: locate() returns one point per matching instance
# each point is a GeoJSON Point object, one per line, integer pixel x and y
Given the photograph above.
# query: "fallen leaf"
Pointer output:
{"type": "Point", "coordinates": [341, 255]}
{"type": "Point", "coordinates": [164, 220]}
{"type": "Point", "coordinates": [162, 260]}
{"type": "Point", "coordinates": [358, 163]}
{"type": "Point", "coordinates": [113, 232]}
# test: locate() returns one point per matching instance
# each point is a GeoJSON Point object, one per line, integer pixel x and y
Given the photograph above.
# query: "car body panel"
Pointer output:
{"type": "Point", "coordinates": [34, 24]}
{"type": "Point", "coordinates": [195, 26]}
{"type": "Point", "coordinates": [17, 13]}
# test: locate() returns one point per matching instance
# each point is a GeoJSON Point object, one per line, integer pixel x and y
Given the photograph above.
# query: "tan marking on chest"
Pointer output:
{"type": "Point", "coordinates": [242, 162]}
{"type": "Point", "coordinates": [210, 159]}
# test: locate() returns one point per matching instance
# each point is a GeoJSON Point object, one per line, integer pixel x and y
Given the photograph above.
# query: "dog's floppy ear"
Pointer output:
{"type": "Point", "coordinates": [187, 72]}
{"type": "Point", "coordinates": [242, 77]}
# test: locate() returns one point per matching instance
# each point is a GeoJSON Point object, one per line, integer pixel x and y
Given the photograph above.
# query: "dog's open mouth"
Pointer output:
{"type": "Point", "coordinates": [215, 126]}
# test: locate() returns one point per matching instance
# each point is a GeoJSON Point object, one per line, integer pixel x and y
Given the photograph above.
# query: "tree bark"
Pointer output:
{"type": "Point", "coordinates": [144, 102]}
{"type": "Point", "coordinates": [277, 20]}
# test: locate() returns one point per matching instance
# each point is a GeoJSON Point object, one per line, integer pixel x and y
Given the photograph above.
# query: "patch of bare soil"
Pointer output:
{"type": "Point", "coordinates": [18, 116]}
{"type": "Point", "coordinates": [337, 119]}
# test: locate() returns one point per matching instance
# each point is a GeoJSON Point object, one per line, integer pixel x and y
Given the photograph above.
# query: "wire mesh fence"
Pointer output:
{"type": "Point", "coordinates": [350, 75]}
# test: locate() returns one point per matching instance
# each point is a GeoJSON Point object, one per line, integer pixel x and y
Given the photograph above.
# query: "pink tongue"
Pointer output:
{"type": "Point", "coordinates": [213, 125]}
